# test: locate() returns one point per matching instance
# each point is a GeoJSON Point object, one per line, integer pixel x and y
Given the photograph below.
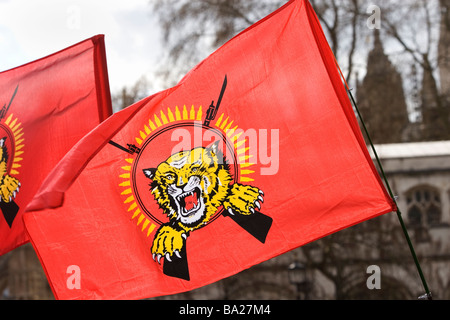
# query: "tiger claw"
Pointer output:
{"type": "Point", "coordinates": [258, 205]}
{"type": "Point", "coordinates": [167, 257]}
{"type": "Point", "coordinates": [159, 258]}
{"type": "Point", "coordinates": [230, 211]}
{"type": "Point", "coordinates": [260, 198]}
{"type": "Point", "coordinates": [177, 253]}
{"type": "Point", "coordinates": [252, 210]}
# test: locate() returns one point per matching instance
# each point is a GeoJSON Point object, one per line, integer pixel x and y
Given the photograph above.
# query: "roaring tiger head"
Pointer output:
{"type": "Point", "coordinates": [191, 185]}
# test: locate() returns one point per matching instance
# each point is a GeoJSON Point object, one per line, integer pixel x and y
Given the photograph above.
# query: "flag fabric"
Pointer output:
{"type": "Point", "coordinates": [255, 152]}
{"type": "Point", "coordinates": [46, 106]}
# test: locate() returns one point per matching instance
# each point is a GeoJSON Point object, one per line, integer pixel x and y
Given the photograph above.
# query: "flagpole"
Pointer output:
{"type": "Point", "coordinates": [427, 295]}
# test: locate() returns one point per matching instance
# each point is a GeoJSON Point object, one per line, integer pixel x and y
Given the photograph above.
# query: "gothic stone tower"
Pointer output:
{"type": "Point", "coordinates": [435, 96]}
{"type": "Point", "coordinates": [381, 97]}
{"type": "Point", "coordinates": [444, 51]}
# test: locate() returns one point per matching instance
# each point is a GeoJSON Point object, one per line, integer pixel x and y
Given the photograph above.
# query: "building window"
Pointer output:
{"type": "Point", "coordinates": [424, 210]}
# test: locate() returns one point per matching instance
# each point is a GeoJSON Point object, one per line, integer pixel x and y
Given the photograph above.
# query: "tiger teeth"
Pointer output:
{"type": "Point", "coordinates": [192, 210]}
{"type": "Point", "coordinates": [184, 195]}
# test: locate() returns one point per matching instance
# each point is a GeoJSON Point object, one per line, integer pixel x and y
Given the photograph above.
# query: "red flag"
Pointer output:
{"type": "Point", "coordinates": [254, 153]}
{"type": "Point", "coordinates": [47, 106]}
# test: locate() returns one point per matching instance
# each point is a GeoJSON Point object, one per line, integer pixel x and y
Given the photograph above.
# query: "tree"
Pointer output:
{"type": "Point", "coordinates": [129, 95]}
{"type": "Point", "coordinates": [344, 24]}
{"type": "Point", "coordinates": [444, 50]}
{"type": "Point", "coordinates": [415, 27]}
{"type": "Point", "coordinates": [192, 29]}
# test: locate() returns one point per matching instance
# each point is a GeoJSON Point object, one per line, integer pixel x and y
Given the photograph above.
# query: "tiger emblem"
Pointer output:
{"type": "Point", "coordinates": [9, 186]}
{"type": "Point", "coordinates": [190, 187]}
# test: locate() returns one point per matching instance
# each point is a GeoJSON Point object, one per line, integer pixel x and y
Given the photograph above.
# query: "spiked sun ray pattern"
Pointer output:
{"type": "Point", "coordinates": [17, 132]}
{"type": "Point", "coordinates": [168, 117]}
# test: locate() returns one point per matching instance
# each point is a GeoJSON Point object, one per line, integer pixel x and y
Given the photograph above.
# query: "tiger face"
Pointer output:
{"type": "Point", "coordinates": [9, 186]}
{"type": "Point", "coordinates": [191, 185]}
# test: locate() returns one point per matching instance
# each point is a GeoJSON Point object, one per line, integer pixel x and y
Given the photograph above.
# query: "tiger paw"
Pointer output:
{"type": "Point", "coordinates": [9, 188]}
{"type": "Point", "coordinates": [243, 200]}
{"type": "Point", "coordinates": [168, 243]}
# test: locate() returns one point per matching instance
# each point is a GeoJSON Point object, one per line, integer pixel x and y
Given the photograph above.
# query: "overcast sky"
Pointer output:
{"type": "Point", "coordinates": [32, 29]}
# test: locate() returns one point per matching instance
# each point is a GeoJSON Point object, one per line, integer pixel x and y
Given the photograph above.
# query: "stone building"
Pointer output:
{"type": "Point", "coordinates": [444, 51]}
{"type": "Point", "coordinates": [419, 174]}
{"type": "Point", "coordinates": [435, 93]}
{"type": "Point", "coordinates": [336, 267]}
{"type": "Point", "coordinates": [381, 98]}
